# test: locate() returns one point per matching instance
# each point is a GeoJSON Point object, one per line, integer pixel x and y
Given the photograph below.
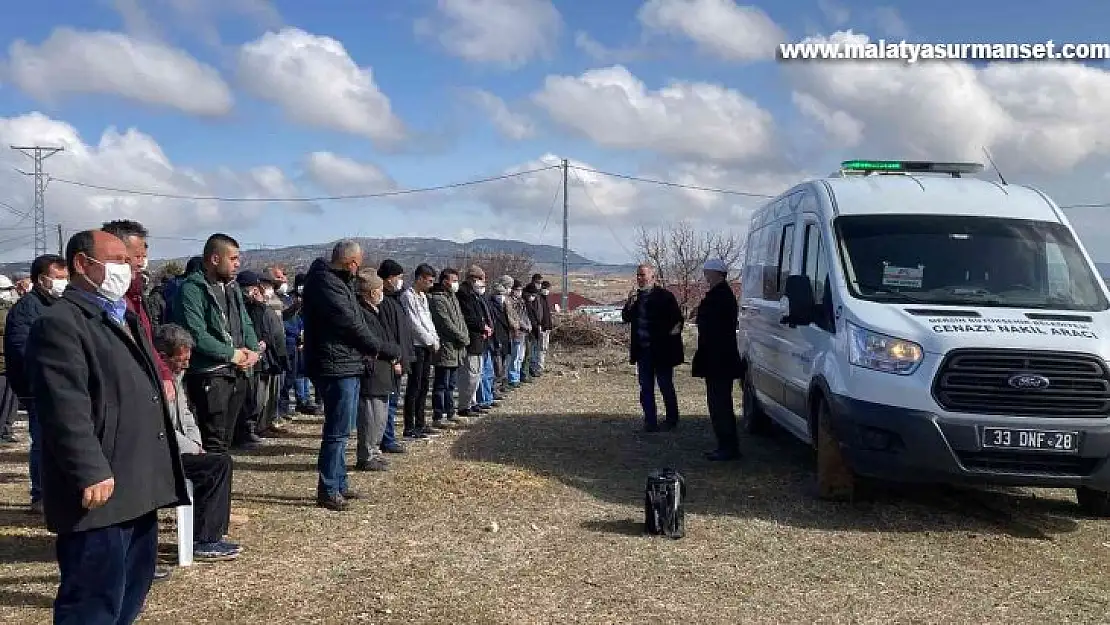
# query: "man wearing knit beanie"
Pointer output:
{"type": "Point", "coordinates": [399, 326]}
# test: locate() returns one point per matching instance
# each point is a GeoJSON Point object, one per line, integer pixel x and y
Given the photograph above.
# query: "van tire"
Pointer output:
{"type": "Point", "coordinates": [1095, 503]}
{"type": "Point", "coordinates": [752, 418]}
{"type": "Point", "coordinates": [835, 479]}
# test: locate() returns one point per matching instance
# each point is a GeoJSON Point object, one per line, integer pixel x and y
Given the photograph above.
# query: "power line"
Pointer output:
{"type": "Point", "coordinates": [321, 198]}
{"type": "Point", "coordinates": [677, 185]}
{"type": "Point", "coordinates": [604, 217]}
{"type": "Point", "coordinates": [38, 154]}
{"type": "Point", "coordinates": [550, 210]}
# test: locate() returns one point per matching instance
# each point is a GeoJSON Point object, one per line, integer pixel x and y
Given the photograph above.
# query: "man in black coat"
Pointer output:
{"type": "Point", "coordinates": [656, 346]}
{"type": "Point", "coordinates": [399, 327]}
{"type": "Point", "coordinates": [717, 358]}
{"type": "Point", "coordinates": [480, 329]}
{"type": "Point", "coordinates": [49, 278]}
{"type": "Point", "coordinates": [337, 343]}
{"type": "Point", "coordinates": [110, 458]}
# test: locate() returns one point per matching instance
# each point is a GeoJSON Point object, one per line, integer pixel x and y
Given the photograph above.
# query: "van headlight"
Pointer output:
{"type": "Point", "coordinates": [881, 352]}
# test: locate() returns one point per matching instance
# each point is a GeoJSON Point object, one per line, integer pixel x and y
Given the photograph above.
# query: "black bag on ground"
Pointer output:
{"type": "Point", "coordinates": [665, 505]}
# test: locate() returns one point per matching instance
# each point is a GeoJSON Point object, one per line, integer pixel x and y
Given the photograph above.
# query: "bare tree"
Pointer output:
{"type": "Point", "coordinates": [678, 251]}
{"type": "Point", "coordinates": [496, 264]}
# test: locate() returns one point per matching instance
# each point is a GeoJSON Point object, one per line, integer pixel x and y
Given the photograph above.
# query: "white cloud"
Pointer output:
{"type": "Point", "coordinates": [126, 159]}
{"type": "Point", "coordinates": [339, 175]}
{"type": "Point", "coordinates": [615, 109]}
{"type": "Point", "coordinates": [508, 33]}
{"type": "Point", "coordinates": [720, 27]}
{"type": "Point", "coordinates": [317, 83]}
{"type": "Point", "coordinates": [531, 196]}
{"type": "Point", "coordinates": [509, 123]}
{"type": "Point", "coordinates": [1034, 117]}
{"type": "Point", "coordinates": [842, 128]}
{"type": "Point", "coordinates": [82, 62]}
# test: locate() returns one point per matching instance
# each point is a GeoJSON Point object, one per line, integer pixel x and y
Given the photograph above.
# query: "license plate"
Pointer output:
{"type": "Point", "coordinates": [1038, 440]}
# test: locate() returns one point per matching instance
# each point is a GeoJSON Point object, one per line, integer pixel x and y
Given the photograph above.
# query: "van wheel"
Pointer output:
{"type": "Point", "coordinates": [835, 479]}
{"type": "Point", "coordinates": [752, 418]}
{"type": "Point", "coordinates": [1093, 502]}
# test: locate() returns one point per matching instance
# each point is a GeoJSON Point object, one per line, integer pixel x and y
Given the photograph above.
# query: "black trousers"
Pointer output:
{"type": "Point", "coordinates": [9, 405]}
{"type": "Point", "coordinates": [718, 397]}
{"type": "Point", "coordinates": [416, 391]}
{"type": "Point", "coordinates": [211, 478]}
{"type": "Point", "coordinates": [217, 401]}
{"type": "Point", "coordinates": [106, 572]}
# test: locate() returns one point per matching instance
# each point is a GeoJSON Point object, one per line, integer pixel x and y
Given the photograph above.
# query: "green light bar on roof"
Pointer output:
{"type": "Point", "coordinates": [954, 169]}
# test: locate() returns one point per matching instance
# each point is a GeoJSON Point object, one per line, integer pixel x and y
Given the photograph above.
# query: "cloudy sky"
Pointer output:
{"type": "Point", "coordinates": [254, 99]}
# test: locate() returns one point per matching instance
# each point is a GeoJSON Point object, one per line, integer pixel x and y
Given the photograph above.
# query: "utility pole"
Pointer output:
{"type": "Point", "coordinates": [38, 154]}
{"type": "Point", "coordinates": [566, 239]}
{"type": "Point", "coordinates": [61, 243]}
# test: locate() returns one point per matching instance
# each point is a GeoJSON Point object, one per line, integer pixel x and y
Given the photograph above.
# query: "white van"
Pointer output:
{"type": "Point", "coordinates": [916, 325]}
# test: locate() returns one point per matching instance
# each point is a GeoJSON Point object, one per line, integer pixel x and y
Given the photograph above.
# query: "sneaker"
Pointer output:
{"type": "Point", "coordinates": [236, 547]}
{"type": "Point", "coordinates": [335, 503]}
{"type": "Point", "coordinates": [373, 464]}
{"type": "Point", "coordinates": [214, 552]}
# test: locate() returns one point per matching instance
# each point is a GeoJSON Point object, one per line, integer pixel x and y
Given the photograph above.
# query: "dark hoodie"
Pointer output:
{"type": "Point", "coordinates": [337, 340]}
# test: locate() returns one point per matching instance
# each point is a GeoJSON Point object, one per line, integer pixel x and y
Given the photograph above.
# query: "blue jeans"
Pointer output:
{"type": "Point", "coordinates": [106, 572]}
{"type": "Point", "coordinates": [340, 397]}
{"type": "Point", "coordinates": [485, 386]}
{"type": "Point", "coordinates": [516, 360]}
{"type": "Point", "coordinates": [444, 383]}
{"type": "Point", "coordinates": [34, 458]}
{"type": "Point", "coordinates": [649, 375]}
{"type": "Point", "coordinates": [389, 438]}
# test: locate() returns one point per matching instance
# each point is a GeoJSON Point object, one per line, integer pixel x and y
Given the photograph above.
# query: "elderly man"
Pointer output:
{"type": "Point", "coordinates": [108, 464]}
{"type": "Point", "coordinates": [480, 328]}
{"type": "Point", "coordinates": [717, 359]}
{"type": "Point", "coordinates": [50, 278]}
{"type": "Point", "coordinates": [656, 345]}
{"type": "Point", "coordinates": [209, 473]}
{"type": "Point", "coordinates": [337, 344]}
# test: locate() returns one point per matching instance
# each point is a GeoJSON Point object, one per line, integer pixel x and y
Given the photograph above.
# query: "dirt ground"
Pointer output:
{"type": "Point", "coordinates": [533, 515]}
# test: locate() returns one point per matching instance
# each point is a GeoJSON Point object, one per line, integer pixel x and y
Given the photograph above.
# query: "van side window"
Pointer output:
{"type": "Point", "coordinates": [769, 261]}
{"type": "Point", "coordinates": [785, 258]}
{"type": "Point", "coordinates": [751, 284]}
{"type": "Point", "coordinates": [815, 266]}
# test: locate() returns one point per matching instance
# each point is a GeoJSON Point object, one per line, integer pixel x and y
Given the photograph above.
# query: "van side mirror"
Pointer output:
{"type": "Point", "coordinates": [801, 307]}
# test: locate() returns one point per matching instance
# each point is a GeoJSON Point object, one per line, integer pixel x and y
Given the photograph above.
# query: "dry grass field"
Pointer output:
{"type": "Point", "coordinates": [533, 515]}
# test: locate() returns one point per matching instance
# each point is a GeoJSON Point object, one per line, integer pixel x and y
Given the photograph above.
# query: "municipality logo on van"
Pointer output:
{"type": "Point", "coordinates": [1028, 381]}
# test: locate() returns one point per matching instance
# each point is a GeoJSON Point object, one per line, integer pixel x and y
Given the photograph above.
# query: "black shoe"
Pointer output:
{"type": "Point", "coordinates": [351, 495]}
{"type": "Point", "coordinates": [335, 502]}
{"type": "Point", "coordinates": [430, 432]}
{"type": "Point", "coordinates": [722, 456]}
{"type": "Point", "coordinates": [415, 435]}
{"type": "Point", "coordinates": [161, 573]}
{"type": "Point", "coordinates": [395, 448]}
{"type": "Point", "coordinates": [465, 414]}
{"type": "Point", "coordinates": [373, 464]}
{"type": "Point", "coordinates": [9, 438]}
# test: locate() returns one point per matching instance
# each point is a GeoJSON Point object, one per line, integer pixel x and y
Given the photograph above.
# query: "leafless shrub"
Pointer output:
{"type": "Point", "coordinates": [678, 251]}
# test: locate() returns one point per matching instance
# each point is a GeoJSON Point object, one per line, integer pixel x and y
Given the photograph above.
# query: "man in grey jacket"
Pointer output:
{"type": "Point", "coordinates": [209, 472]}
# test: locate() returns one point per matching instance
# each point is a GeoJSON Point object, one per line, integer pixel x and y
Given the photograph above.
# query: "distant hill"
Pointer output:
{"type": "Point", "coordinates": [409, 251]}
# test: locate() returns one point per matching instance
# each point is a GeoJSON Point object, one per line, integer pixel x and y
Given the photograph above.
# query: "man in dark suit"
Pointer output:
{"type": "Point", "coordinates": [656, 346]}
{"type": "Point", "coordinates": [717, 359]}
{"type": "Point", "coordinates": [110, 459]}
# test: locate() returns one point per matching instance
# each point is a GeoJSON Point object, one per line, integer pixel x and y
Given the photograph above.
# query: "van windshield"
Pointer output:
{"type": "Point", "coordinates": [980, 261]}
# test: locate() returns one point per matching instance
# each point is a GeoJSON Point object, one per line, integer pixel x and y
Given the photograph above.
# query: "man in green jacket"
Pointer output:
{"type": "Point", "coordinates": [454, 339]}
{"type": "Point", "coordinates": [210, 306]}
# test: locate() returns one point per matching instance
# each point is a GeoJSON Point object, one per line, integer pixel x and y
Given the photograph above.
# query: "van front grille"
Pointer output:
{"type": "Point", "coordinates": [978, 381]}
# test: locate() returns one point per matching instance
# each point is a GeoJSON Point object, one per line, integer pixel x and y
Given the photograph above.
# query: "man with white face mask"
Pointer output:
{"type": "Point", "coordinates": [111, 460]}
{"type": "Point", "coordinates": [479, 327]}
{"type": "Point", "coordinates": [9, 405]}
{"type": "Point", "coordinates": [49, 276]}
